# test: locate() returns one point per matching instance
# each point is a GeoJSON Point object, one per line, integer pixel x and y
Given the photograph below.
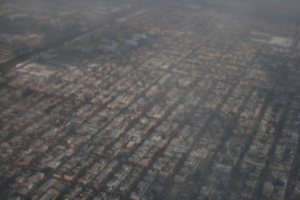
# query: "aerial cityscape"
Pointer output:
{"type": "Point", "coordinates": [149, 100]}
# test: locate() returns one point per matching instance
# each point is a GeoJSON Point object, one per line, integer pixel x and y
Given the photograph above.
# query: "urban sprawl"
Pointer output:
{"type": "Point", "coordinates": [164, 102]}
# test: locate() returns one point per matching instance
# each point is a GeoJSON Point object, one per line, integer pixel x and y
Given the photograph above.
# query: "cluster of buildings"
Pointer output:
{"type": "Point", "coordinates": [44, 22]}
{"type": "Point", "coordinates": [184, 105]}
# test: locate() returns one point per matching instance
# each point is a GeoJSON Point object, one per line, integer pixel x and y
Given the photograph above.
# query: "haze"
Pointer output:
{"type": "Point", "coordinates": [141, 99]}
